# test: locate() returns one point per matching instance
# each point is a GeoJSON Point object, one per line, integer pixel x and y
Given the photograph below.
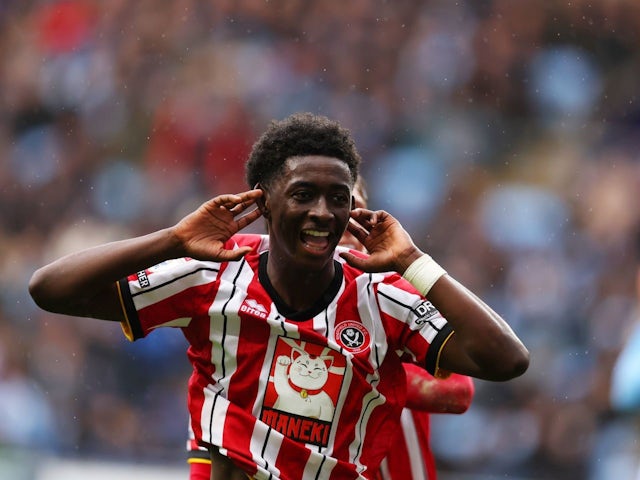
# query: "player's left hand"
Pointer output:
{"type": "Point", "coordinates": [389, 245]}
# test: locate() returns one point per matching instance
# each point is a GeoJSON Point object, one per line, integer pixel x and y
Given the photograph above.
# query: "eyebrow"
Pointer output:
{"type": "Point", "coordinates": [307, 184]}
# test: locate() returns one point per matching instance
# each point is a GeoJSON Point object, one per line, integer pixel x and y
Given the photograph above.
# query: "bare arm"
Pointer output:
{"type": "Point", "coordinates": [483, 345]}
{"type": "Point", "coordinates": [83, 283]}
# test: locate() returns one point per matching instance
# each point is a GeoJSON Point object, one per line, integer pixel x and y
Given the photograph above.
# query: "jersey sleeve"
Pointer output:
{"type": "Point", "coordinates": [165, 295]}
{"type": "Point", "coordinates": [414, 323]}
{"type": "Point", "coordinates": [174, 292]}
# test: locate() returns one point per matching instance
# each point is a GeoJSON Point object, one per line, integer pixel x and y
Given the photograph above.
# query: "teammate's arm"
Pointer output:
{"type": "Point", "coordinates": [453, 394]}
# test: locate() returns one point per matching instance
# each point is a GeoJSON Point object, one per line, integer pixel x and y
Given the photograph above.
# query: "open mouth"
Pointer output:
{"type": "Point", "coordinates": [315, 240]}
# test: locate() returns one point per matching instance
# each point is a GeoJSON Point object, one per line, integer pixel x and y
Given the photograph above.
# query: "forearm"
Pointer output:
{"type": "Point", "coordinates": [483, 341]}
{"type": "Point", "coordinates": [77, 283]}
{"type": "Point", "coordinates": [483, 345]}
{"type": "Point", "coordinates": [424, 392]}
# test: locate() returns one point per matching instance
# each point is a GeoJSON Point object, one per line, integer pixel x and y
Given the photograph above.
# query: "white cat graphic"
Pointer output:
{"type": "Point", "coordinates": [299, 380]}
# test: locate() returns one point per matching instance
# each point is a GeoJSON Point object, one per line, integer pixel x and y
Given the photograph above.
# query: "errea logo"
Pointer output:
{"type": "Point", "coordinates": [252, 307]}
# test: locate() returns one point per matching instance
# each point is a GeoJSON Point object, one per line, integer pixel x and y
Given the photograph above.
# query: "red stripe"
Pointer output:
{"type": "Point", "coordinates": [238, 428]}
{"type": "Point", "coordinates": [252, 343]}
{"type": "Point", "coordinates": [398, 459]}
{"type": "Point", "coordinates": [292, 461]}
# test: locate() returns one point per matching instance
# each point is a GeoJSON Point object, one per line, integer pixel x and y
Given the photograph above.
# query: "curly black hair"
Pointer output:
{"type": "Point", "coordinates": [300, 134]}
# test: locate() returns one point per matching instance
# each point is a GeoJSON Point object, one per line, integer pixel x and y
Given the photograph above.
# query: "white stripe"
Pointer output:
{"type": "Point", "coordinates": [412, 442]}
{"type": "Point", "coordinates": [384, 470]}
{"type": "Point", "coordinates": [210, 418]}
{"type": "Point", "coordinates": [178, 322]}
{"type": "Point", "coordinates": [170, 271]}
{"type": "Point", "coordinates": [402, 310]}
{"type": "Point", "coordinates": [258, 440]}
{"type": "Point", "coordinates": [313, 465]}
{"type": "Point", "coordinates": [370, 402]}
{"type": "Point", "coordinates": [224, 342]}
{"type": "Point", "coordinates": [370, 317]}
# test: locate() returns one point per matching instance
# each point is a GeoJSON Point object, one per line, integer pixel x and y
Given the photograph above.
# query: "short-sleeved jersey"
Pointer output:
{"type": "Point", "coordinates": [410, 456]}
{"type": "Point", "coordinates": [289, 394]}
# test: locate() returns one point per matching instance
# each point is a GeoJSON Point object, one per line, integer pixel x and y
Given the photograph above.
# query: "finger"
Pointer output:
{"type": "Point", "coordinates": [246, 200]}
{"type": "Point", "coordinates": [232, 255]}
{"type": "Point", "coordinates": [373, 220]}
{"type": "Point", "coordinates": [251, 194]}
{"type": "Point", "coordinates": [241, 207]}
{"type": "Point", "coordinates": [355, 261]}
{"type": "Point", "coordinates": [231, 200]}
{"type": "Point", "coordinates": [357, 230]}
{"type": "Point", "coordinates": [237, 209]}
{"type": "Point", "coordinates": [366, 264]}
{"type": "Point", "coordinates": [226, 200]}
{"type": "Point", "coordinates": [364, 216]}
{"type": "Point", "coordinates": [249, 198]}
{"type": "Point", "coordinates": [248, 218]}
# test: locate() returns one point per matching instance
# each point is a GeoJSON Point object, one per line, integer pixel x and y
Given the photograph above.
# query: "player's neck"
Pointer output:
{"type": "Point", "coordinates": [300, 288]}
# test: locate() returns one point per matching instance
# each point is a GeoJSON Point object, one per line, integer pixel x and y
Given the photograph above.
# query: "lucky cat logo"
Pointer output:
{"type": "Point", "coordinates": [303, 389]}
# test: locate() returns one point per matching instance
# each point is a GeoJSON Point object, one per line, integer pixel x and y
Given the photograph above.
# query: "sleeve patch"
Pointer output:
{"type": "Point", "coordinates": [424, 312]}
{"type": "Point", "coordinates": [143, 279]}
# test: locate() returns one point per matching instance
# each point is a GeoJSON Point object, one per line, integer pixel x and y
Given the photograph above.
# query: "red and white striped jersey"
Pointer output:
{"type": "Point", "coordinates": [289, 394]}
{"type": "Point", "coordinates": [410, 456]}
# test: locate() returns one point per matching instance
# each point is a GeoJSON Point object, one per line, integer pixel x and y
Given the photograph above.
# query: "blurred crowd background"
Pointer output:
{"type": "Point", "coordinates": [504, 134]}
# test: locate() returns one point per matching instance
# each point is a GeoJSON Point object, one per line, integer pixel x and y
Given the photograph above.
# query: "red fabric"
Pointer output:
{"type": "Point", "coordinates": [243, 404]}
{"type": "Point", "coordinates": [426, 393]}
{"type": "Point", "coordinates": [410, 456]}
{"type": "Point", "coordinates": [199, 471]}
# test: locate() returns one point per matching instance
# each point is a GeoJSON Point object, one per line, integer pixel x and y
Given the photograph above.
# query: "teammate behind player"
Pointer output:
{"type": "Point", "coordinates": [296, 356]}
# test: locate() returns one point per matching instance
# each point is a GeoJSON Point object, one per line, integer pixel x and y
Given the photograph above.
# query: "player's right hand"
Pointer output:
{"type": "Point", "coordinates": [202, 233]}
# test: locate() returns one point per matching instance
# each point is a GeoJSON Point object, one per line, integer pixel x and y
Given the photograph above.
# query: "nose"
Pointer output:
{"type": "Point", "coordinates": [320, 209]}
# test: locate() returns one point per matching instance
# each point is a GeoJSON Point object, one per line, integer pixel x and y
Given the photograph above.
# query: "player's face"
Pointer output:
{"type": "Point", "coordinates": [348, 240]}
{"type": "Point", "coordinates": [309, 209]}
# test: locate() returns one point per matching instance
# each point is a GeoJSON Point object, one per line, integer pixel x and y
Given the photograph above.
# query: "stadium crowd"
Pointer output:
{"type": "Point", "coordinates": [519, 123]}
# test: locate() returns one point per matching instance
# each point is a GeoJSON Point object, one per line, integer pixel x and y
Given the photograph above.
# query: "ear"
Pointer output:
{"type": "Point", "coordinates": [328, 361]}
{"type": "Point", "coordinates": [263, 201]}
{"type": "Point", "coordinates": [296, 353]}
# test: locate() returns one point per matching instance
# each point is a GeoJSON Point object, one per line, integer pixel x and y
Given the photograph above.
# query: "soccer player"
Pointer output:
{"type": "Point", "coordinates": [410, 456]}
{"type": "Point", "coordinates": [297, 357]}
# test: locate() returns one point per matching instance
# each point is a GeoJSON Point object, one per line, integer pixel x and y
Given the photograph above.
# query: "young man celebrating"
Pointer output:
{"type": "Point", "coordinates": [297, 357]}
{"type": "Point", "coordinates": [410, 456]}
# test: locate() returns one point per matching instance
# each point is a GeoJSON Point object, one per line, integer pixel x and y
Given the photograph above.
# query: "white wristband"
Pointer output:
{"type": "Point", "coordinates": [423, 273]}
